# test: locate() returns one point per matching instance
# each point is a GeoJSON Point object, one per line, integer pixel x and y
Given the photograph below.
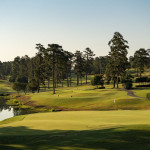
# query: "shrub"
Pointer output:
{"type": "Point", "coordinates": [127, 81]}
{"type": "Point", "coordinates": [142, 79]}
{"type": "Point", "coordinates": [12, 79]}
{"type": "Point", "coordinates": [148, 96]}
{"type": "Point", "coordinates": [108, 79]}
{"type": "Point", "coordinates": [52, 110]}
{"type": "Point", "coordinates": [148, 85]}
{"type": "Point", "coordinates": [20, 86]}
{"type": "Point", "coordinates": [98, 80]}
{"type": "Point", "coordinates": [128, 84]}
{"type": "Point", "coordinates": [32, 86]}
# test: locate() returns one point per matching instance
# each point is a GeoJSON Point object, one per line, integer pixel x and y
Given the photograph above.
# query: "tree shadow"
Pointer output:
{"type": "Point", "coordinates": [119, 138]}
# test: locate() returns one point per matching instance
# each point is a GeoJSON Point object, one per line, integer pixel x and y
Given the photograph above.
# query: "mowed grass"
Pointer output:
{"type": "Point", "coordinates": [142, 92]}
{"type": "Point", "coordinates": [5, 87]}
{"type": "Point", "coordinates": [88, 98]}
{"type": "Point", "coordinates": [78, 130]}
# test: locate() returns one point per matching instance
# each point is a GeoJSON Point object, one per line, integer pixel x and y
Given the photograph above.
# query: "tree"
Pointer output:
{"type": "Point", "coordinates": [39, 66]}
{"type": "Point", "coordinates": [15, 68]}
{"type": "Point", "coordinates": [88, 60]}
{"type": "Point", "coordinates": [99, 65]}
{"type": "Point", "coordinates": [127, 81]}
{"type": "Point", "coordinates": [148, 64]}
{"type": "Point", "coordinates": [118, 61]}
{"type": "Point", "coordinates": [32, 85]}
{"type": "Point", "coordinates": [1, 70]}
{"type": "Point", "coordinates": [98, 80]}
{"type": "Point", "coordinates": [55, 51]}
{"type": "Point", "coordinates": [79, 67]}
{"type": "Point", "coordinates": [5, 69]}
{"type": "Point", "coordinates": [141, 59]}
{"type": "Point", "coordinates": [21, 84]}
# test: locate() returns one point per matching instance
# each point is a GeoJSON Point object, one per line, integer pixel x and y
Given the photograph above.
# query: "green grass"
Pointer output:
{"type": "Point", "coordinates": [5, 87]}
{"type": "Point", "coordinates": [87, 98]}
{"type": "Point", "coordinates": [13, 119]}
{"type": "Point", "coordinates": [82, 130]}
{"type": "Point", "coordinates": [142, 92]}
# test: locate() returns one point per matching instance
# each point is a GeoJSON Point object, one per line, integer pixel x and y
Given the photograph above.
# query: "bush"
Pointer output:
{"type": "Point", "coordinates": [101, 87]}
{"type": "Point", "coordinates": [20, 86]}
{"type": "Point", "coordinates": [128, 85]}
{"type": "Point", "coordinates": [148, 85]}
{"type": "Point", "coordinates": [127, 82]}
{"type": "Point", "coordinates": [98, 80]}
{"type": "Point", "coordinates": [52, 110]}
{"type": "Point", "coordinates": [142, 79]}
{"type": "Point", "coordinates": [148, 96]}
{"type": "Point", "coordinates": [12, 79]}
{"type": "Point", "coordinates": [22, 79]}
{"type": "Point", "coordinates": [32, 86]}
{"type": "Point", "coordinates": [108, 79]}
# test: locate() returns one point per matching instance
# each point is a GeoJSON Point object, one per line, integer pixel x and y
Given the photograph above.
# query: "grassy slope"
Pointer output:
{"type": "Point", "coordinates": [78, 130]}
{"type": "Point", "coordinates": [88, 98]}
{"type": "Point", "coordinates": [5, 87]}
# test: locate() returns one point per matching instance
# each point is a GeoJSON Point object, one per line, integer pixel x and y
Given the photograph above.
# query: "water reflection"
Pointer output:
{"type": "Point", "coordinates": [6, 113]}
{"type": "Point", "coordinates": [9, 111]}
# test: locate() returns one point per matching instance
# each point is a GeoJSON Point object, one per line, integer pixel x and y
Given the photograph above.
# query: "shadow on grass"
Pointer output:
{"type": "Point", "coordinates": [121, 138]}
{"type": "Point", "coordinates": [141, 88]}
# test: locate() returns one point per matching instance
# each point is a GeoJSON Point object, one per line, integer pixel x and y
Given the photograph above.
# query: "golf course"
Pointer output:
{"type": "Point", "coordinates": [79, 130]}
{"type": "Point", "coordinates": [75, 75]}
{"type": "Point", "coordinates": [84, 118]}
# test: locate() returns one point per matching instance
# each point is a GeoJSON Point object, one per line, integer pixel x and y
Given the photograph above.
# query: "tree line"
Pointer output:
{"type": "Point", "coordinates": [58, 65]}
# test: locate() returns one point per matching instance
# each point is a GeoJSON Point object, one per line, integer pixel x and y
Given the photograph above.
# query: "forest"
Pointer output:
{"type": "Point", "coordinates": [57, 66]}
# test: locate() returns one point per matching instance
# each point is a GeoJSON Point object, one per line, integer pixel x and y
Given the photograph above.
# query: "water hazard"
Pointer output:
{"type": "Point", "coordinates": [7, 111]}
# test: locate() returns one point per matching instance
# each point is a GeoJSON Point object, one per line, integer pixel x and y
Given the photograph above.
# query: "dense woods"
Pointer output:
{"type": "Point", "coordinates": [58, 66]}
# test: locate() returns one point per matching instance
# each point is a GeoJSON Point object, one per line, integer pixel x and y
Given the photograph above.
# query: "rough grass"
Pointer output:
{"type": "Point", "coordinates": [84, 130]}
{"type": "Point", "coordinates": [87, 98]}
{"type": "Point", "coordinates": [84, 98]}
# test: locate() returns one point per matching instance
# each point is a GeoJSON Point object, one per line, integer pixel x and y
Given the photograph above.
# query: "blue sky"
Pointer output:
{"type": "Point", "coordinates": [74, 24]}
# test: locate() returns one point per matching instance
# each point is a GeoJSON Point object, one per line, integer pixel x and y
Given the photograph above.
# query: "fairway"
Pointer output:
{"type": "Point", "coordinates": [77, 130]}
{"type": "Point", "coordinates": [86, 97]}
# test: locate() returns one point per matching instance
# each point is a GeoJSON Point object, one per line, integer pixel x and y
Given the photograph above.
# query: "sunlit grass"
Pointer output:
{"type": "Point", "coordinates": [82, 130]}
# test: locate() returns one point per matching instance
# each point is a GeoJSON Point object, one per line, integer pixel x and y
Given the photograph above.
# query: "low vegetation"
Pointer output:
{"type": "Point", "coordinates": [77, 130]}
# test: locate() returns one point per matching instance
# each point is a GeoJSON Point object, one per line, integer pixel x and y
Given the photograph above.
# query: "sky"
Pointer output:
{"type": "Point", "coordinates": [73, 24]}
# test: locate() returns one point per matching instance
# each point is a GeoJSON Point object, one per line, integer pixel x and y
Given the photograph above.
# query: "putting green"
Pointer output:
{"type": "Point", "coordinates": [77, 130]}
{"type": "Point", "coordinates": [80, 120]}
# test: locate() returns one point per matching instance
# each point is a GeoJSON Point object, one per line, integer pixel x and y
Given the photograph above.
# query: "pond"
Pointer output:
{"type": "Point", "coordinates": [7, 111]}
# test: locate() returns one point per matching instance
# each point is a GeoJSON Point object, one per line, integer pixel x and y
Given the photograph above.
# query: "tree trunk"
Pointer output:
{"type": "Point", "coordinates": [70, 78]}
{"type": "Point", "coordinates": [81, 80]}
{"type": "Point", "coordinates": [38, 89]}
{"type": "Point", "coordinates": [67, 80]}
{"type": "Point", "coordinates": [117, 81]}
{"type": "Point", "coordinates": [62, 83]}
{"type": "Point", "coordinates": [57, 84]}
{"type": "Point", "coordinates": [140, 74]}
{"type": "Point", "coordinates": [53, 74]}
{"type": "Point", "coordinates": [137, 72]}
{"type": "Point", "coordinates": [87, 67]}
{"type": "Point", "coordinates": [86, 76]}
{"type": "Point", "coordinates": [114, 83]}
{"type": "Point", "coordinates": [48, 83]}
{"type": "Point", "coordinates": [77, 80]}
